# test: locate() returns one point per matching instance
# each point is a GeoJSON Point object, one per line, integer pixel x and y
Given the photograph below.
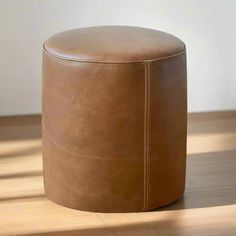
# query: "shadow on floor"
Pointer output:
{"type": "Point", "coordinates": [21, 175]}
{"type": "Point", "coordinates": [23, 197]}
{"type": "Point", "coordinates": [210, 181]}
{"type": "Point", "coordinates": [143, 227]}
{"type": "Point", "coordinates": [20, 128]}
{"type": "Point", "coordinates": [24, 152]}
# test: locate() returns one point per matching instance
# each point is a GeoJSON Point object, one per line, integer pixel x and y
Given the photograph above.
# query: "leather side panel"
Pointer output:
{"type": "Point", "coordinates": [168, 128]}
{"type": "Point", "coordinates": [93, 132]}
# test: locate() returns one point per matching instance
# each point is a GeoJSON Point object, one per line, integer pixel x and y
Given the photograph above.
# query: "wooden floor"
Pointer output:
{"type": "Point", "coordinates": [208, 206]}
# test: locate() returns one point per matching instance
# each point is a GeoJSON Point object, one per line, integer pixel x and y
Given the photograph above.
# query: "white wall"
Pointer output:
{"type": "Point", "coordinates": [208, 27]}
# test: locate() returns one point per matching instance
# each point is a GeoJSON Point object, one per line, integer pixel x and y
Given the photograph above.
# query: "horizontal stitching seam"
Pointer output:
{"type": "Point", "coordinates": [86, 156]}
{"type": "Point", "coordinates": [112, 62]}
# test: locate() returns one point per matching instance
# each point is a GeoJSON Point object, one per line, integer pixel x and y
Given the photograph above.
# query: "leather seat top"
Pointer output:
{"type": "Point", "coordinates": [113, 44]}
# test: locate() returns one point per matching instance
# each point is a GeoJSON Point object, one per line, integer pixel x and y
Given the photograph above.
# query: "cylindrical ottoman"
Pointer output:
{"type": "Point", "coordinates": [114, 118]}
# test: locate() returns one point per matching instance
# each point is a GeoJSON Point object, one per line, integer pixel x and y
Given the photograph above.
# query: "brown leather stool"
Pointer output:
{"type": "Point", "coordinates": [114, 118]}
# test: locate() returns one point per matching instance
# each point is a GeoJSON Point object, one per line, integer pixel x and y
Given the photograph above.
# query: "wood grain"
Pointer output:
{"type": "Point", "coordinates": [208, 206]}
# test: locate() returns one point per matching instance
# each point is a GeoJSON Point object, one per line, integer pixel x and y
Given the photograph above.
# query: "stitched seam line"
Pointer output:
{"type": "Point", "coordinates": [149, 131]}
{"type": "Point", "coordinates": [145, 140]}
{"type": "Point", "coordinates": [46, 131]}
{"type": "Point", "coordinates": [111, 62]}
{"type": "Point", "coordinates": [146, 135]}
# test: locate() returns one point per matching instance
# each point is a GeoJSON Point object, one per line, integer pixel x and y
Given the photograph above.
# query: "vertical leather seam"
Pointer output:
{"type": "Point", "coordinates": [146, 135]}
{"type": "Point", "coordinates": [149, 132]}
{"type": "Point", "coordinates": [145, 138]}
